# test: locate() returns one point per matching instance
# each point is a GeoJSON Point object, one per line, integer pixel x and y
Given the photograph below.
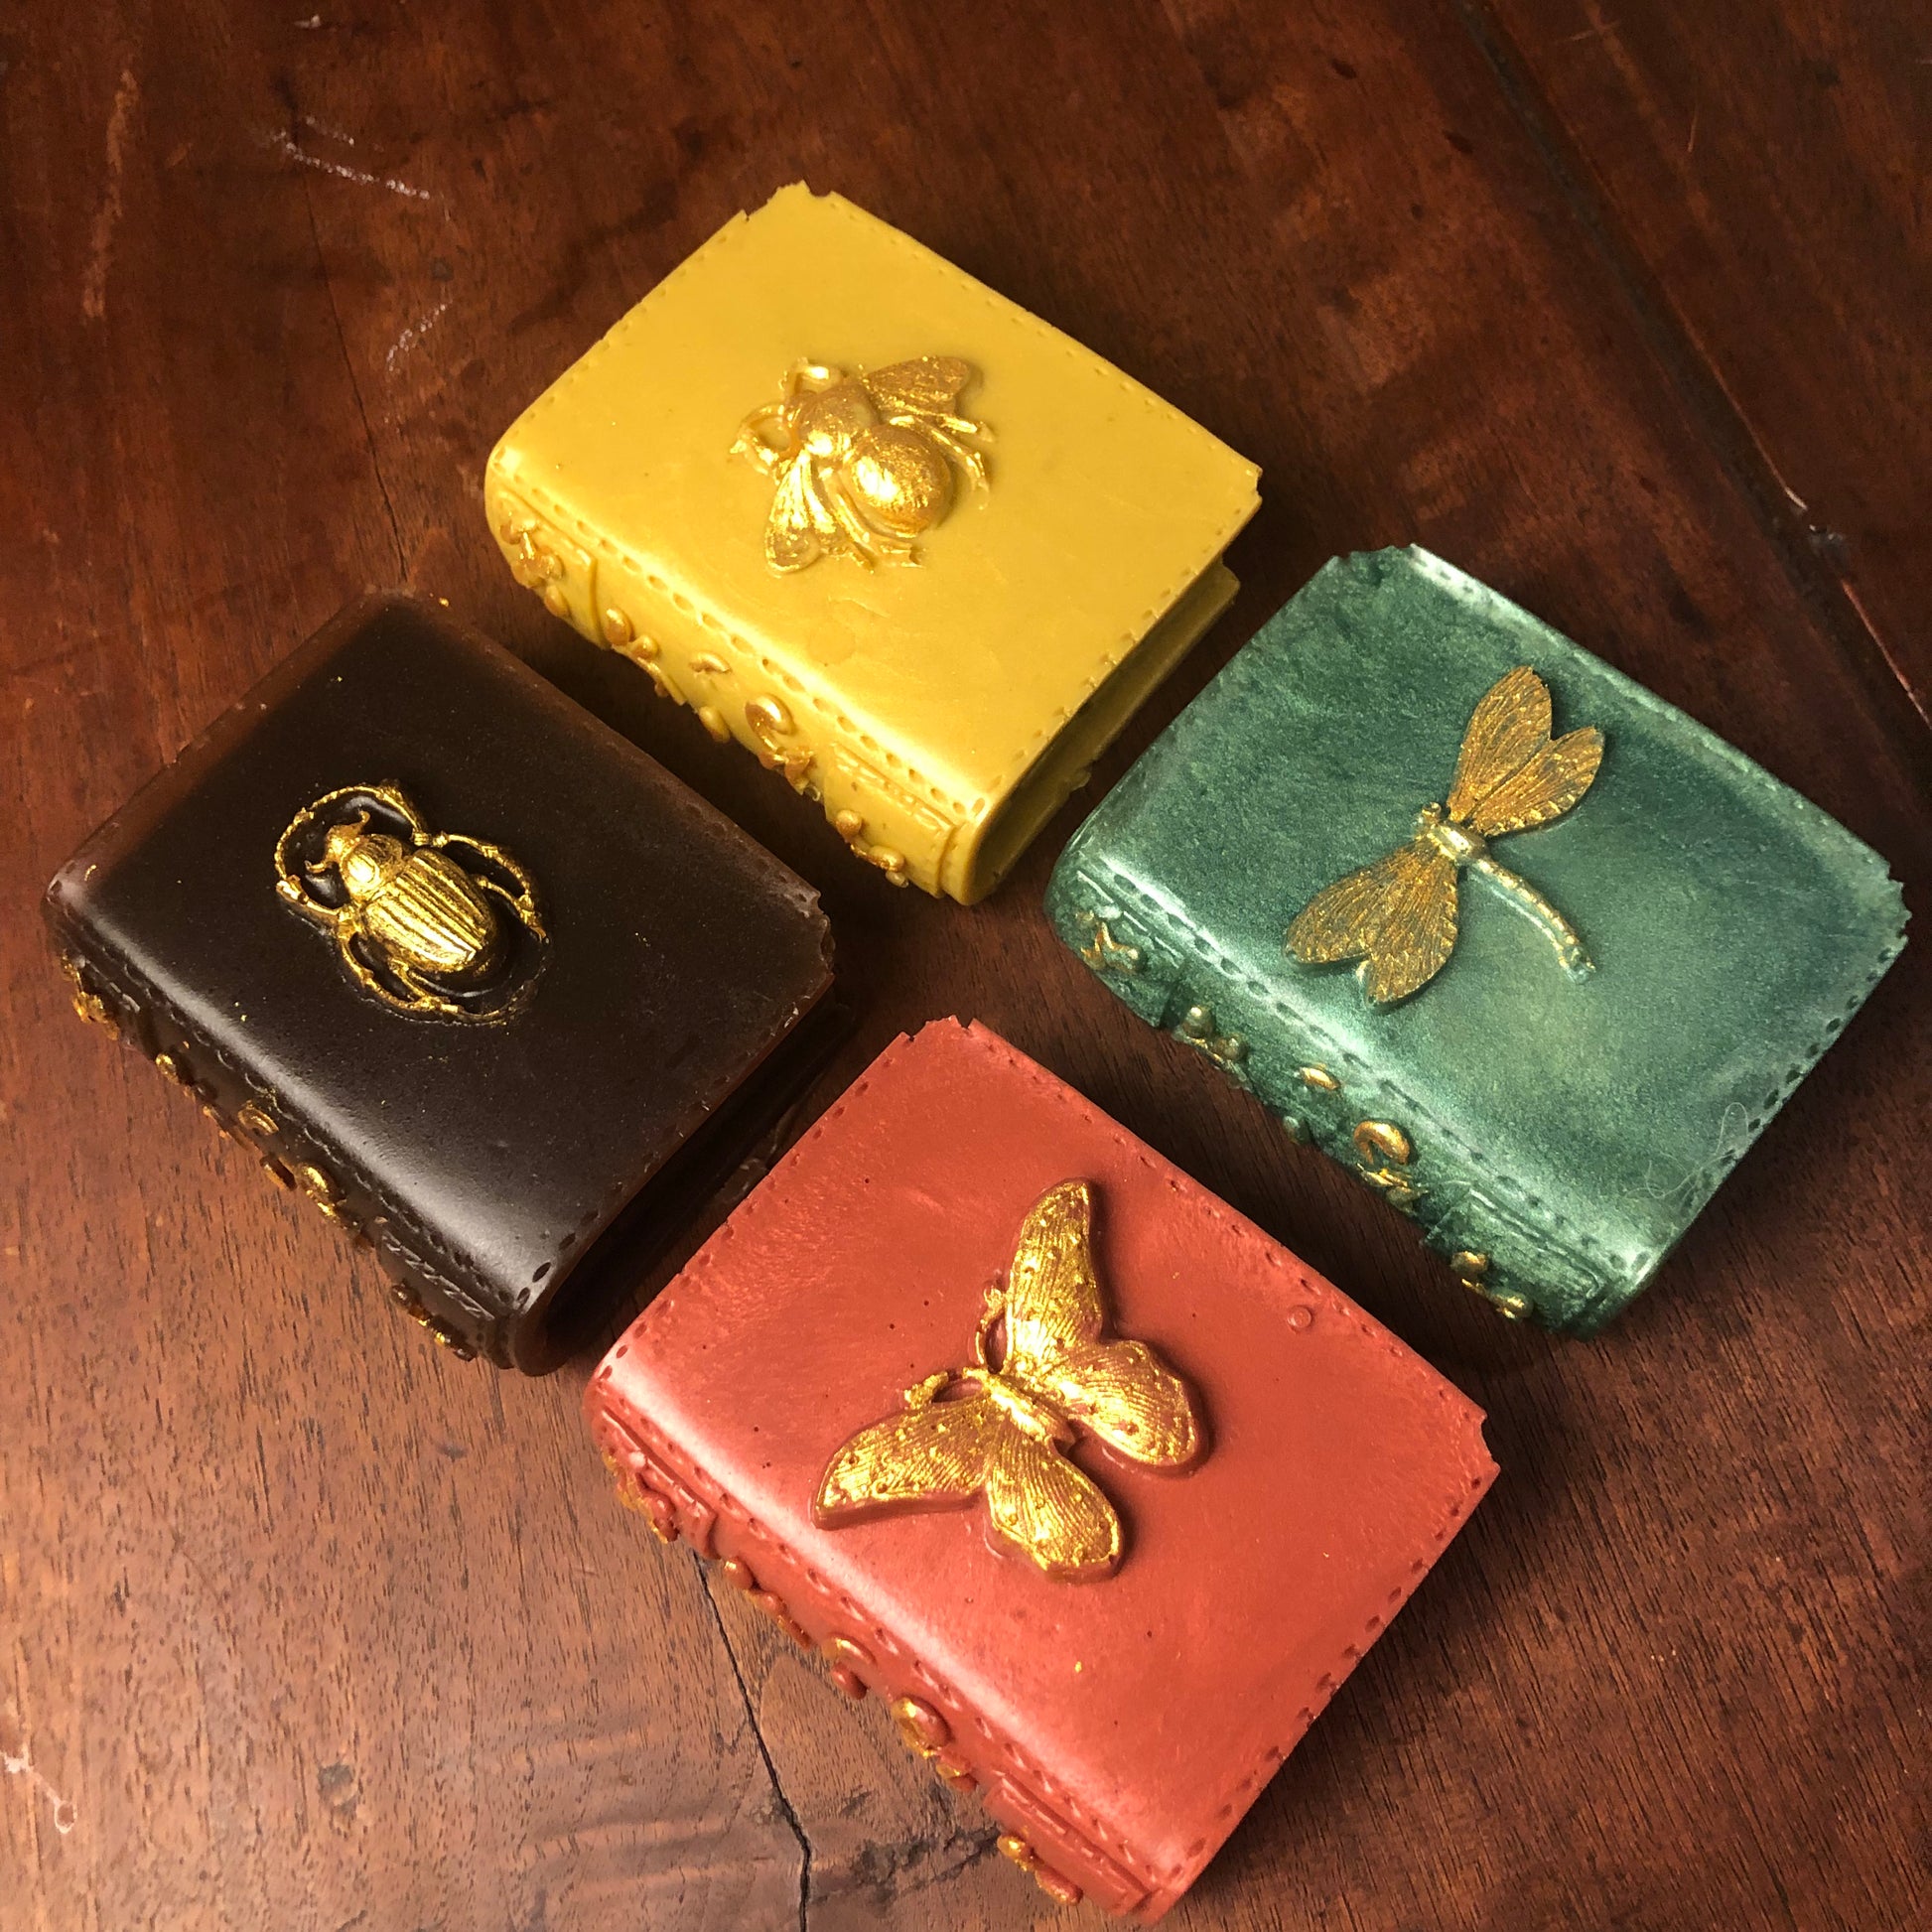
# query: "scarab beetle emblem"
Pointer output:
{"type": "Point", "coordinates": [863, 461]}
{"type": "Point", "coordinates": [430, 922]}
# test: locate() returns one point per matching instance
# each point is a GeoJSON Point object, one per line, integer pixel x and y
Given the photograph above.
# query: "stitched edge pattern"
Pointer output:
{"type": "Point", "coordinates": [1112, 655]}
{"type": "Point", "coordinates": [1247, 666]}
{"type": "Point", "coordinates": [1460, 1505]}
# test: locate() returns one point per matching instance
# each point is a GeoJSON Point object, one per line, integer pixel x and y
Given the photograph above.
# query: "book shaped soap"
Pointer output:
{"type": "Point", "coordinates": [1531, 952]}
{"type": "Point", "coordinates": [464, 967]}
{"type": "Point", "coordinates": [1025, 1431]}
{"type": "Point", "coordinates": [920, 552]}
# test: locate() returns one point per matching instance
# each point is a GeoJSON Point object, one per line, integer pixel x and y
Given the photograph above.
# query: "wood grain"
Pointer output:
{"type": "Point", "coordinates": [308, 1627]}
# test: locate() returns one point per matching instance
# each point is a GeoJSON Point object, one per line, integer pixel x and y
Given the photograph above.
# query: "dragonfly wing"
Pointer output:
{"type": "Point", "coordinates": [1129, 1397]}
{"type": "Point", "coordinates": [1052, 1292]}
{"type": "Point", "coordinates": [1553, 780]}
{"type": "Point", "coordinates": [1397, 915]}
{"type": "Point", "coordinates": [1510, 724]}
{"type": "Point", "coordinates": [1041, 1503]}
{"type": "Point", "coordinates": [927, 1458]}
{"type": "Point", "coordinates": [1417, 931]}
{"type": "Point", "coordinates": [928, 386]}
{"type": "Point", "coordinates": [1342, 920]}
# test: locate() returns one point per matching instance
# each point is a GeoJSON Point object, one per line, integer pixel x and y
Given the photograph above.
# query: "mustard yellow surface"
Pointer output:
{"type": "Point", "coordinates": [939, 711]}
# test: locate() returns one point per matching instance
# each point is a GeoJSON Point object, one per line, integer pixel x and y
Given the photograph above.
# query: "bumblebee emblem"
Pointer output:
{"type": "Point", "coordinates": [430, 922]}
{"type": "Point", "coordinates": [863, 463]}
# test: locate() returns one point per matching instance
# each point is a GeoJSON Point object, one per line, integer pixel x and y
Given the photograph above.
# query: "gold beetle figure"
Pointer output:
{"type": "Point", "coordinates": [863, 461]}
{"type": "Point", "coordinates": [415, 927]}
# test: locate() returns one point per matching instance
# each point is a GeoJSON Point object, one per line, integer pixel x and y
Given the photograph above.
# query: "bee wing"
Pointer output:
{"type": "Point", "coordinates": [1397, 915]}
{"type": "Point", "coordinates": [928, 386]}
{"type": "Point", "coordinates": [797, 532]}
{"type": "Point", "coordinates": [928, 1456]}
{"type": "Point", "coordinates": [1508, 727]}
{"type": "Point", "coordinates": [1129, 1397]}
{"type": "Point", "coordinates": [1040, 1502]}
{"type": "Point", "coordinates": [1052, 1294]}
{"type": "Point", "coordinates": [1546, 787]}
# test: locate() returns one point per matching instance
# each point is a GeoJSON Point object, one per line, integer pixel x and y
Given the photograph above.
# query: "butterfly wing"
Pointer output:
{"type": "Point", "coordinates": [1510, 724]}
{"type": "Point", "coordinates": [1129, 1397]}
{"type": "Point", "coordinates": [800, 528]}
{"type": "Point", "coordinates": [932, 1455]}
{"type": "Point", "coordinates": [1556, 776]}
{"type": "Point", "coordinates": [1041, 1504]}
{"type": "Point", "coordinates": [1397, 915]}
{"type": "Point", "coordinates": [1052, 1294]}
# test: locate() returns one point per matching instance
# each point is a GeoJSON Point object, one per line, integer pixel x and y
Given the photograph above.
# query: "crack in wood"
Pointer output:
{"type": "Point", "coordinates": [778, 1796]}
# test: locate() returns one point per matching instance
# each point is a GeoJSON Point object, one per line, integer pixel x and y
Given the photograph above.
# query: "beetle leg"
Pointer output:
{"type": "Point", "coordinates": [425, 998]}
{"type": "Point", "coordinates": [397, 802]}
{"type": "Point", "coordinates": [347, 931]}
{"type": "Point", "coordinates": [288, 887]}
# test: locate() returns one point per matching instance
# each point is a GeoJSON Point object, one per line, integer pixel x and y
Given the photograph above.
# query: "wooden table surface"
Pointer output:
{"type": "Point", "coordinates": [1621, 305]}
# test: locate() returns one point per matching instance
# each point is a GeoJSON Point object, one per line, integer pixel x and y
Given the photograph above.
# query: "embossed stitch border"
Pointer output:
{"type": "Point", "coordinates": [1459, 1506]}
{"type": "Point", "coordinates": [1112, 655]}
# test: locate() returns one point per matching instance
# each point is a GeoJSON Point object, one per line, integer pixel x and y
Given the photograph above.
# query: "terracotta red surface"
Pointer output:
{"type": "Point", "coordinates": [1121, 1726]}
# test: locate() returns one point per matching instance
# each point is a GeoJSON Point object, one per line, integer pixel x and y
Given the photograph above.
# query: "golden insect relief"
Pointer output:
{"type": "Point", "coordinates": [999, 1428]}
{"type": "Point", "coordinates": [431, 924]}
{"type": "Point", "coordinates": [1397, 917]}
{"type": "Point", "coordinates": [862, 461]}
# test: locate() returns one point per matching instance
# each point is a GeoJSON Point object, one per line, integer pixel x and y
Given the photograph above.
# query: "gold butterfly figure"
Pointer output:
{"type": "Point", "coordinates": [863, 461]}
{"type": "Point", "coordinates": [1000, 1427]}
{"type": "Point", "coordinates": [1397, 917]}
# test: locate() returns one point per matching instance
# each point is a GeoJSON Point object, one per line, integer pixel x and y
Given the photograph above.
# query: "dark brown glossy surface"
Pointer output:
{"type": "Point", "coordinates": [628, 1026]}
{"type": "Point", "coordinates": [307, 1626]}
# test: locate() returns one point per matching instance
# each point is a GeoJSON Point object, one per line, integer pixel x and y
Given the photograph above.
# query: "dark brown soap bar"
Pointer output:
{"type": "Point", "coordinates": [466, 967]}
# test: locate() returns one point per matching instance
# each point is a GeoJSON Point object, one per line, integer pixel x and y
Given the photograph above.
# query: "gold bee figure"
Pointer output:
{"type": "Point", "coordinates": [1000, 1427]}
{"type": "Point", "coordinates": [1397, 917]}
{"type": "Point", "coordinates": [415, 922]}
{"type": "Point", "coordinates": [863, 463]}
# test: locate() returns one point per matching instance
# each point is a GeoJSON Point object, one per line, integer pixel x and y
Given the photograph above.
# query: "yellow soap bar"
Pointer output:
{"type": "Point", "coordinates": [917, 550]}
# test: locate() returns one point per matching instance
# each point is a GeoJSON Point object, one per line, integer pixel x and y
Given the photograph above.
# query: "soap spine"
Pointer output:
{"type": "Point", "coordinates": [733, 693]}
{"type": "Point", "coordinates": [108, 993]}
{"type": "Point", "coordinates": [1176, 979]}
{"type": "Point", "coordinates": [681, 1503]}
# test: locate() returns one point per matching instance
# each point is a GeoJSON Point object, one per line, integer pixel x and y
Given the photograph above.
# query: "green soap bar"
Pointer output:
{"type": "Point", "coordinates": [1551, 1122]}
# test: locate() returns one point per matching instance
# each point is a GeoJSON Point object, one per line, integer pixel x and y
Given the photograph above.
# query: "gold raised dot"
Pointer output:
{"type": "Point", "coordinates": [1062, 1891]}
{"type": "Point", "coordinates": [321, 1186]}
{"type": "Point", "coordinates": [769, 715]}
{"type": "Point", "coordinates": [617, 627]}
{"type": "Point", "coordinates": [707, 664]}
{"type": "Point", "coordinates": [1016, 1847]}
{"type": "Point", "coordinates": [1384, 1139]}
{"type": "Point", "coordinates": [1469, 1266]}
{"type": "Point", "coordinates": [738, 1572]}
{"type": "Point", "coordinates": [924, 1731]}
{"type": "Point", "coordinates": [1320, 1076]}
{"type": "Point", "coordinates": [848, 825]}
{"type": "Point", "coordinates": [556, 600]}
{"type": "Point", "coordinates": [257, 1120]}
{"type": "Point", "coordinates": [713, 719]}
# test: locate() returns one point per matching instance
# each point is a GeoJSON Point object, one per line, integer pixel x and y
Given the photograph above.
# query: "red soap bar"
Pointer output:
{"type": "Point", "coordinates": [1294, 1469]}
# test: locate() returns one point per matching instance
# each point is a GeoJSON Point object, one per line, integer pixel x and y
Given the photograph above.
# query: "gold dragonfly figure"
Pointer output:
{"type": "Point", "coordinates": [1397, 917]}
{"type": "Point", "coordinates": [1000, 1427]}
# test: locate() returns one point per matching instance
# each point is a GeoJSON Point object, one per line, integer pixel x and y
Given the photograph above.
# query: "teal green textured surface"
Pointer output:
{"type": "Point", "coordinates": [1567, 1129]}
